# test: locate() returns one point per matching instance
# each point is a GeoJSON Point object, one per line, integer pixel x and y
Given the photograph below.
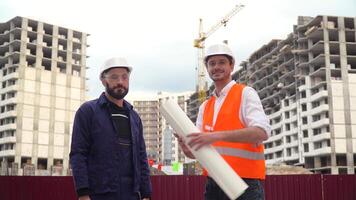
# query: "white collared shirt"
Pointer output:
{"type": "Point", "coordinates": [251, 111]}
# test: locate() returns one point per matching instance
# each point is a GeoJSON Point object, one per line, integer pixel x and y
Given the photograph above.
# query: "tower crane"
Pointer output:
{"type": "Point", "coordinates": [199, 43]}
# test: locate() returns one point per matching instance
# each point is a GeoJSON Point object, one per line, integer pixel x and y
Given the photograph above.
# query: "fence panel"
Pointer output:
{"type": "Point", "coordinates": [178, 187]}
{"type": "Point", "coordinates": [277, 187]}
{"type": "Point", "coordinates": [340, 187]}
{"type": "Point", "coordinates": [36, 188]}
{"type": "Point", "coordinates": [293, 187]}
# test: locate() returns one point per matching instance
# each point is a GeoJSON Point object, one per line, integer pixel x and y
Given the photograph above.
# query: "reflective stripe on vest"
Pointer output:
{"type": "Point", "coordinates": [240, 153]}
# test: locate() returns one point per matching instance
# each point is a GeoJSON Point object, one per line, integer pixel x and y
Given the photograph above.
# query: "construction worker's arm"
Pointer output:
{"type": "Point", "coordinates": [252, 135]}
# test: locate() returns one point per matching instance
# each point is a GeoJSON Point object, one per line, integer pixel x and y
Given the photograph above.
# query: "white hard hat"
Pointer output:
{"type": "Point", "coordinates": [114, 62]}
{"type": "Point", "coordinates": [218, 49]}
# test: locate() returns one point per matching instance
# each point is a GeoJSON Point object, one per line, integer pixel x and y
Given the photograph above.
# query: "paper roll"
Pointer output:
{"type": "Point", "coordinates": [209, 158]}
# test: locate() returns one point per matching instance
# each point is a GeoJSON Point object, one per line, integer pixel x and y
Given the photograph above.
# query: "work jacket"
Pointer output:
{"type": "Point", "coordinates": [94, 159]}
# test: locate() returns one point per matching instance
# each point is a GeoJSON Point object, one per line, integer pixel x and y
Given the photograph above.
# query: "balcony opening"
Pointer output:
{"type": "Point", "coordinates": [62, 33]}
{"type": "Point", "coordinates": [325, 161]}
{"type": "Point", "coordinates": [304, 107]}
{"type": "Point", "coordinates": [306, 147]}
{"type": "Point", "coordinates": [303, 94]}
{"type": "Point", "coordinates": [61, 68]}
{"type": "Point", "coordinates": [305, 120]}
{"type": "Point", "coordinates": [287, 115]}
{"type": "Point", "coordinates": [279, 154]}
{"type": "Point", "coordinates": [341, 160]}
{"type": "Point", "coordinates": [32, 25]}
{"type": "Point", "coordinates": [11, 82]}
{"type": "Point", "coordinates": [62, 45]}
{"type": "Point", "coordinates": [317, 145]}
{"type": "Point", "coordinates": [46, 64]}
{"type": "Point", "coordinates": [75, 71]}
{"type": "Point", "coordinates": [48, 29]}
{"type": "Point", "coordinates": [333, 36]}
{"type": "Point", "coordinates": [47, 41]}
{"type": "Point", "coordinates": [334, 49]}
{"type": "Point", "coordinates": [25, 161]}
{"type": "Point", "coordinates": [316, 118]}
{"type": "Point", "coordinates": [42, 163]}
{"type": "Point", "coordinates": [351, 49]}
{"type": "Point", "coordinates": [31, 62]}
{"type": "Point", "coordinates": [62, 56]}
{"type": "Point", "coordinates": [317, 131]}
{"type": "Point", "coordinates": [4, 28]}
{"type": "Point", "coordinates": [349, 23]}
{"type": "Point", "coordinates": [47, 54]}
{"type": "Point", "coordinates": [315, 104]}
{"type": "Point", "coordinates": [77, 36]}
{"type": "Point", "coordinates": [10, 107]}
{"type": "Point", "coordinates": [342, 170]}
{"type": "Point", "coordinates": [331, 23]}
{"type": "Point", "coordinates": [351, 66]}
{"type": "Point", "coordinates": [350, 36]}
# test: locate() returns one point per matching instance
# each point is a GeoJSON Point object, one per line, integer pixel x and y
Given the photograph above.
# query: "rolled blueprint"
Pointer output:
{"type": "Point", "coordinates": [209, 158]}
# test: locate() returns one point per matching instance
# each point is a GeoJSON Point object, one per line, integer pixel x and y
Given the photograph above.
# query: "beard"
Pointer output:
{"type": "Point", "coordinates": [118, 92]}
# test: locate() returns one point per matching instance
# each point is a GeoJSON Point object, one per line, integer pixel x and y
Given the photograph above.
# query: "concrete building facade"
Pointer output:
{"type": "Point", "coordinates": [161, 145]}
{"type": "Point", "coordinates": [171, 151]}
{"type": "Point", "coordinates": [306, 84]}
{"type": "Point", "coordinates": [149, 113]}
{"type": "Point", "coordinates": [42, 74]}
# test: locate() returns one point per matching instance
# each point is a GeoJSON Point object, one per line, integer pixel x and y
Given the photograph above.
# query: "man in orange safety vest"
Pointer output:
{"type": "Point", "coordinates": [234, 122]}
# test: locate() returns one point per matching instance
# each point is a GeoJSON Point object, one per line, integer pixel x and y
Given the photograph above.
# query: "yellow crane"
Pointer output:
{"type": "Point", "coordinates": [202, 85]}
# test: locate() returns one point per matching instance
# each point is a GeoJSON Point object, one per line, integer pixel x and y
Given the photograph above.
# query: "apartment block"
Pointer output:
{"type": "Point", "coordinates": [149, 113]}
{"type": "Point", "coordinates": [306, 83]}
{"type": "Point", "coordinates": [194, 102]}
{"type": "Point", "coordinates": [171, 151]}
{"type": "Point", "coordinates": [42, 74]}
{"type": "Point", "coordinates": [161, 145]}
{"type": "Point", "coordinates": [193, 106]}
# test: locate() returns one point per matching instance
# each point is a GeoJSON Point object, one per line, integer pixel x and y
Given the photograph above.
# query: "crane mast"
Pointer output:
{"type": "Point", "coordinates": [202, 85]}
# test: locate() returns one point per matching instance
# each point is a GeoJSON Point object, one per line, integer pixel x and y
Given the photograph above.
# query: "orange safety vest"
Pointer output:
{"type": "Point", "coordinates": [246, 159]}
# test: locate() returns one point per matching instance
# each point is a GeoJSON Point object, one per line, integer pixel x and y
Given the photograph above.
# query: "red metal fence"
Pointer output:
{"type": "Point", "coordinates": [277, 187]}
{"type": "Point", "coordinates": [303, 187]}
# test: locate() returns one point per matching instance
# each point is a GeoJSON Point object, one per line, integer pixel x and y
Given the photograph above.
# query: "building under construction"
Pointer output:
{"type": "Point", "coordinates": [42, 73]}
{"type": "Point", "coordinates": [305, 84]}
{"type": "Point", "coordinates": [161, 145]}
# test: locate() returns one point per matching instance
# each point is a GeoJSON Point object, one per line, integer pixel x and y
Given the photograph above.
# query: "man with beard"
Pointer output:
{"type": "Point", "coordinates": [108, 153]}
{"type": "Point", "coordinates": [233, 121]}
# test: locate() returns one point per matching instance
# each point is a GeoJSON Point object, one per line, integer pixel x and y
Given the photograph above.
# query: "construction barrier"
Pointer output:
{"type": "Point", "coordinates": [178, 187]}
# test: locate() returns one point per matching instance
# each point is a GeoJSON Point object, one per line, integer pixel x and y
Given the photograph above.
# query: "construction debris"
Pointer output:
{"type": "Point", "coordinates": [280, 169]}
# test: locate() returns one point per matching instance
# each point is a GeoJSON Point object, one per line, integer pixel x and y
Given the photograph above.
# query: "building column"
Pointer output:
{"type": "Point", "coordinates": [334, 169]}
{"type": "Point", "coordinates": [346, 92]}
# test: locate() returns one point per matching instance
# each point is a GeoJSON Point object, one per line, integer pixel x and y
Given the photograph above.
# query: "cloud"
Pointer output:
{"type": "Point", "coordinates": [156, 36]}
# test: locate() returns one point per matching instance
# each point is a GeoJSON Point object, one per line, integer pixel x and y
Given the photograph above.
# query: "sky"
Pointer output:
{"type": "Point", "coordinates": [157, 36]}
